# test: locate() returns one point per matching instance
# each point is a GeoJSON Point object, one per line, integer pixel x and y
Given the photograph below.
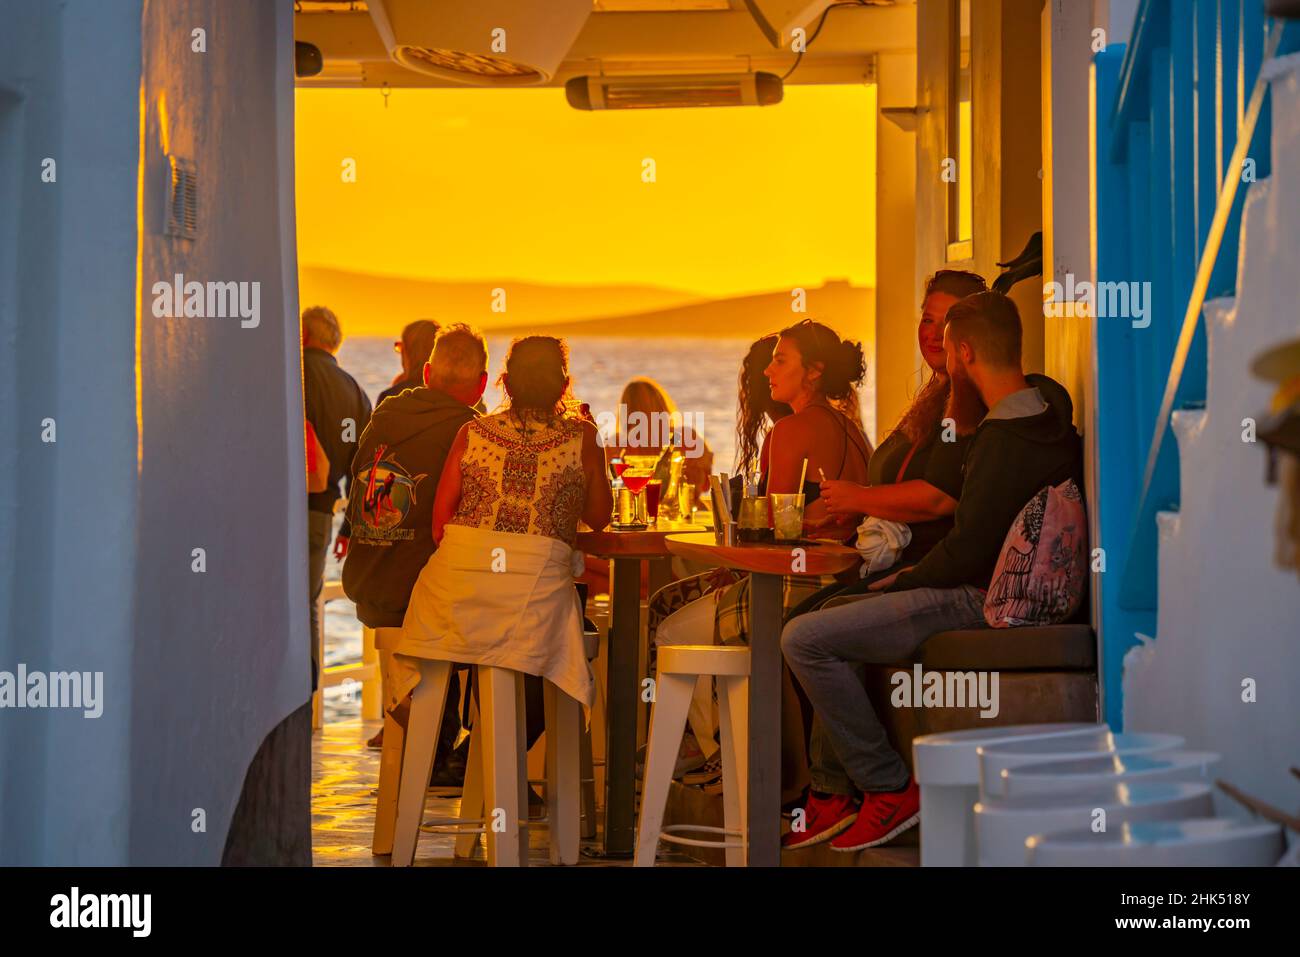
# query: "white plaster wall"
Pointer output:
{"type": "Point", "coordinates": [68, 509]}
{"type": "Point", "coordinates": [95, 544]}
{"type": "Point", "coordinates": [1227, 612]}
{"type": "Point", "coordinates": [220, 657]}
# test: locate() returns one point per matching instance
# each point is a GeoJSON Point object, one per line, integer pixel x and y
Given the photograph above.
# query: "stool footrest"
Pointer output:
{"type": "Point", "coordinates": [453, 825]}
{"type": "Point", "coordinates": [670, 834]}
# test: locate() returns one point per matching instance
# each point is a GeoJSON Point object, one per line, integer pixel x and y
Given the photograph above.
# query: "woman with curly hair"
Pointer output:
{"type": "Point", "coordinates": [811, 369]}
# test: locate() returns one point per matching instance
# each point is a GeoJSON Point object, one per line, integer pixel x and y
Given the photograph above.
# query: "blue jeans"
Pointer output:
{"type": "Point", "coordinates": [828, 650]}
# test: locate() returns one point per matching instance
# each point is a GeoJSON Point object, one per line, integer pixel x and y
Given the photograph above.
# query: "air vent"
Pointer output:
{"type": "Point", "coordinates": [182, 198]}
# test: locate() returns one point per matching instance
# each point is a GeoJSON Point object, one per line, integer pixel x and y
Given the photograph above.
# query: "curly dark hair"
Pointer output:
{"type": "Point", "coordinates": [843, 364]}
{"type": "Point", "coordinates": [754, 405]}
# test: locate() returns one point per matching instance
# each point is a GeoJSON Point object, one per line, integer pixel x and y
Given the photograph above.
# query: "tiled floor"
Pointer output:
{"type": "Point", "coordinates": [344, 772]}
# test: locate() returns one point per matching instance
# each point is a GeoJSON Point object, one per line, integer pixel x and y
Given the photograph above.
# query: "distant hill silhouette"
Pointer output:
{"type": "Point", "coordinates": [850, 310]}
{"type": "Point", "coordinates": [371, 304]}
{"type": "Point", "coordinates": [368, 304]}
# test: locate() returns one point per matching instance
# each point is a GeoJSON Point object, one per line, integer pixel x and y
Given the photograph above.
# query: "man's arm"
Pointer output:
{"type": "Point", "coordinates": [989, 504]}
{"type": "Point", "coordinates": [912, 501]}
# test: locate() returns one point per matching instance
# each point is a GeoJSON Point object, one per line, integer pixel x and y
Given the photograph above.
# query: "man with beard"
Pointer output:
{"type": "Point", "coordinates": [1025, 441]}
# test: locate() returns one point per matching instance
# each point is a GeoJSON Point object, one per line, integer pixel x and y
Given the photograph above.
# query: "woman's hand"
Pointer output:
{"type": "Point", "coordinates": [838, 527]}
{"type": "Point", "coordinates": [840, 496]}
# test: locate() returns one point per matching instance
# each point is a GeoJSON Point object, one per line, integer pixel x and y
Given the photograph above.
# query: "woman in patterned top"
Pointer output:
{"type": "Point", "coordinates": [499, 589]}
{"type": "Point", "coordinates": [534, 468]}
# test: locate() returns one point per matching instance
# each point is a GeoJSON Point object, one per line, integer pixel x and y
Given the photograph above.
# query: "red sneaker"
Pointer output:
{"type": "Point", "coordinates": [882, 817]}
{"type": "Point", "coordinates": [823, 818]}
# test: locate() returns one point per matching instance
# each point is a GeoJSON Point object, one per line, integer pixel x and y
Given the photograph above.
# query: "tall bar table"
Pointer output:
{"type": "Point", "coordinates": [767, 564]}
{"type": "Point", "coordinates": [626, 550]}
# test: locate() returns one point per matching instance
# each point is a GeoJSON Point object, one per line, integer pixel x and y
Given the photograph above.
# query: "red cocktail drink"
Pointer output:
{"type": "Point", "coordinates": [652, 489]}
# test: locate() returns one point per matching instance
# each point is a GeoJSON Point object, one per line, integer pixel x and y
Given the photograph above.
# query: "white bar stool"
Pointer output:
{"type": "Point", "coordinates": [390, 755]}
{"type": "Point", "coordinates": [1056, 777]}
{"type": "Point", "coordinates": [1199, 842]}
{"type": "Point", "coordinates": [591, 648]}
{"type": "Point", "coordinates": [678, 669]}
{"type": "Point", "coordinates": [496, 775]}
{"type": "Point", "coordinates": [948, 771]}
{"type": "Point", "coordinates": [330, 591]}
{"type": "Point", "coordinates": [1004, 824]}
{"type": "Point", "coordinates": [1004, 755]}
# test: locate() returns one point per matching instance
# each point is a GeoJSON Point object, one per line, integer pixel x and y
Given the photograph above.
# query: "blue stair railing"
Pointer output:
{"type": "Point", "coordinates": [1178, 114]}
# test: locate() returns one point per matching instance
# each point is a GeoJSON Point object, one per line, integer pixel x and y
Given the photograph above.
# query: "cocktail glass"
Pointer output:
{"type": "Point", "coordinates": [754, 518]}
{"type": "Point", "coordinates": [787, 515]}
{"type": "Point", "coordinates": [638, 470]}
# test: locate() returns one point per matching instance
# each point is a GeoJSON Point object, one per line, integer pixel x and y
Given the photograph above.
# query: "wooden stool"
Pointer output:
{"type": "Point", "coordinates": [495, 778]}
{"type": "Point", "coordinates": [679, 667]}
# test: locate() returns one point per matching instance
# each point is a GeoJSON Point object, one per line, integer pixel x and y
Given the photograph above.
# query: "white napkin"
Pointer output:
{"type": "Point", "coordinates": [880, 542]}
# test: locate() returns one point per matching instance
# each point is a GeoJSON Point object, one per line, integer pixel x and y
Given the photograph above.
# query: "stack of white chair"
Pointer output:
{"type": "Point", "coordinates": [1076, 795]}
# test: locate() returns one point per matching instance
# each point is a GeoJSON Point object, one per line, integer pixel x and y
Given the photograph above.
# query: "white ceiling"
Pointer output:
{"type": "Point", "coordinates": [634, 36]}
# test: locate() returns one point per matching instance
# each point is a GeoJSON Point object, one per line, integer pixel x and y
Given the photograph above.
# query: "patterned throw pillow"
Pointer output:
{"type": "Point", "coordinates": [1040, 574]}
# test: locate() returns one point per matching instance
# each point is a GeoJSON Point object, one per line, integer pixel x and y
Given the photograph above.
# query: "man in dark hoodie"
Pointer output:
{"type": "Point", "coordinates": [394, 478]}
{"type": "Point", "coordinates": [1026, 441]}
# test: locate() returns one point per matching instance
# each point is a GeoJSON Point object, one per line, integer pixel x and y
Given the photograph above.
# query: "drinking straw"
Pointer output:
{"type": "Point", "coordinates": [803, 474]}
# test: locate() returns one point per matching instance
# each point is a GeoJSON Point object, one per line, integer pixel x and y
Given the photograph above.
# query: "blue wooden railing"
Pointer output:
{"type": "Point", "coordinates": [1172, 109]}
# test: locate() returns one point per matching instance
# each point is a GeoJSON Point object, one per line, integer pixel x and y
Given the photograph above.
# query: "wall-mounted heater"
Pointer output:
{"type": "Point", "coordinates": [660, 92]}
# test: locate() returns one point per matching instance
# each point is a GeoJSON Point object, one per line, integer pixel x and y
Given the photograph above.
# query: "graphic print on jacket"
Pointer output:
{"type": "Point", "coordinates": [388, 494]}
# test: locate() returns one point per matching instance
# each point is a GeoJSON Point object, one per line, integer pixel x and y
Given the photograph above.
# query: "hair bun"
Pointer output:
{"type": "Point", "coordinates": [849, 368]}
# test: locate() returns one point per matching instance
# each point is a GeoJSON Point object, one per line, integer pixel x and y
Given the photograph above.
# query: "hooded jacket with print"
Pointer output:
{"type": "Point", "coordinates": [395, 476]}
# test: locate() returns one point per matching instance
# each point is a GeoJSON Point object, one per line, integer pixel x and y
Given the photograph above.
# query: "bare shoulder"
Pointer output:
{"type": "Point", "coordinates": [807, 423]}
{"type": "Point", "coordinates": [590, 437]}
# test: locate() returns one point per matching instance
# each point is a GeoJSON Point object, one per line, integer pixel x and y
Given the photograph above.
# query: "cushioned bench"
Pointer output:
{"type": "Point", "coordinates": [1031, 648]}
{"type": "Point", "coordinates": [1045, 674]}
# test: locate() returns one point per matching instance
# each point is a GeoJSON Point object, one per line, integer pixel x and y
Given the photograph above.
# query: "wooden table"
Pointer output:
{"type": "Point", "coordinates": [767, 564]}
{"type": "Point", "coordinates": [626, 551]}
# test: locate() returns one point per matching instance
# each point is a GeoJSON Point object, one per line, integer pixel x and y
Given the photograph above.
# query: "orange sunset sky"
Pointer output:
{"type": "Point", "coordinates": [514, 185]}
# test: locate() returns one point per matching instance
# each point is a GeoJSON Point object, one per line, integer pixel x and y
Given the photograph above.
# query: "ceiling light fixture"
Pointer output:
{"type": "Point", "coordinates": [480, 42]}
